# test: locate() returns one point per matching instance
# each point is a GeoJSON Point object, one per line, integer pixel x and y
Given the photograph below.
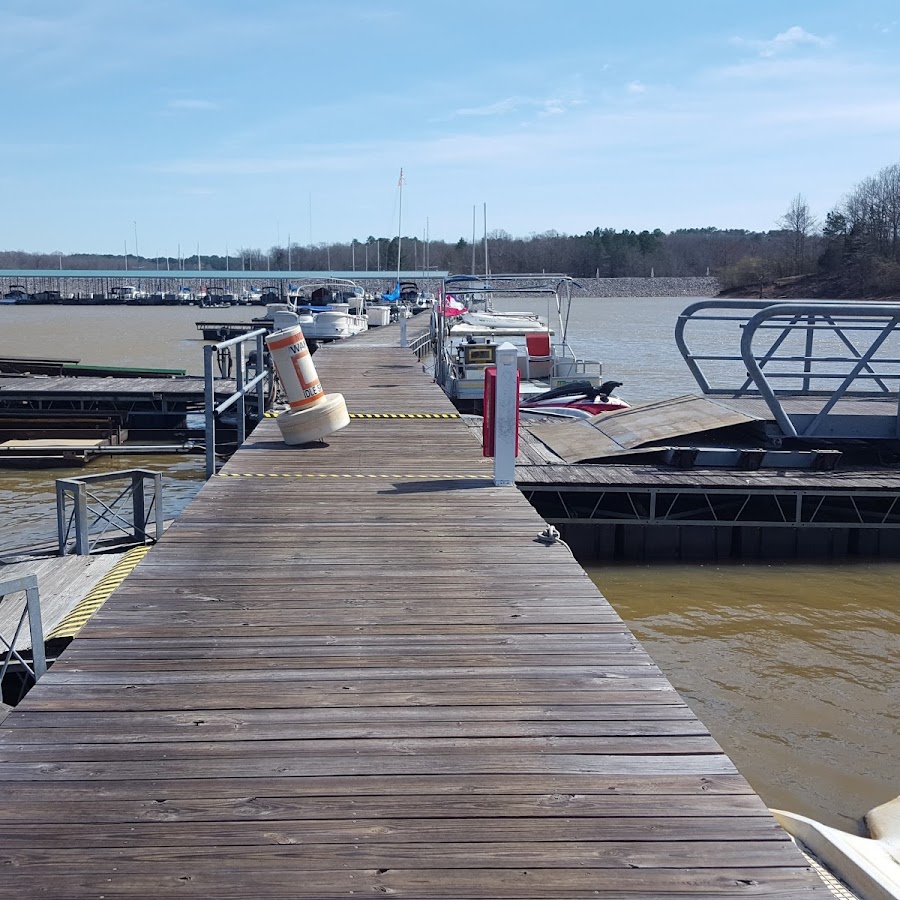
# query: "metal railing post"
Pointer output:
{"type": "Point", "coordinates": [157, 504]}
{"type": "Point", "coordinates": [209, 410]}
{"type": "Point", "coordinates": [61, 517]}
{"type": "Point", "coordinates": [260, 385]}
{"type": "Point", "coordinates": [242, 400]}
{"type": "Point", "coordinates": [138, 511]}
{"type": "Point", "coordinates": [82, 545]}
{"type": "Point", "coordinates": [33, 605]}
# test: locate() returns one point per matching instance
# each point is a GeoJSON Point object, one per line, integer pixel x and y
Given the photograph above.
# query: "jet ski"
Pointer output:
{"type": "Point", "coordinates": [580, 399]}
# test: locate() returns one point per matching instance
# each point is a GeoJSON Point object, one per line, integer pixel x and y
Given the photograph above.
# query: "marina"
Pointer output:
{"type": "Point", "coordinates": [256, 710]}
{"type": "Point", "coordinates": [164, 287]}
{"type": "Point", "coordinates": [500, 505]}
{"type": "Point", "coordinates": [388, 340]}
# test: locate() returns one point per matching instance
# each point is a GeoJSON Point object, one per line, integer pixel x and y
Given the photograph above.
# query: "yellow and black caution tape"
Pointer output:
{"type": "Point", "coordinates": [422, 476]}
{"type": "Point", "coordinates": [273, 415]}
{"type": "Point", "coordinates": [98, 595]}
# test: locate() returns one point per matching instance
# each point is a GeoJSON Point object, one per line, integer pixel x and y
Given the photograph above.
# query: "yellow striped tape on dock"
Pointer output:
{"type": "Point", "coordinates": [98, 595]}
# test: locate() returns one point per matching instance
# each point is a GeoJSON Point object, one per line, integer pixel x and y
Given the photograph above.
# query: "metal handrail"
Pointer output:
{"type": "Point", "coordinates": [107, 511]}
{"type": "Point", "coordinates": [865, 373]}
{"type": "Point", "coordinates": [242, 388]}
{"type": "Point", "coordinates": [31, 611]}
{"type": "Point", "coordinates": [840, 319]}
{"type": "Point", "coordinates": [422, 345]}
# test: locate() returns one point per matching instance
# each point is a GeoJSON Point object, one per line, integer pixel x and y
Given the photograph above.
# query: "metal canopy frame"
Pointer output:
{"type": "Point", "coordinates": [863, 366]}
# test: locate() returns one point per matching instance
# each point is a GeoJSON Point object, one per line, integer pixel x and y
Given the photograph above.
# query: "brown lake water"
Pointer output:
{"type": "Point", "coordinates": [794, 668]}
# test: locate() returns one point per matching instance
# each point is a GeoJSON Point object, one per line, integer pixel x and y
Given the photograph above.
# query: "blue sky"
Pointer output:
{"type": "Point", "coordinates": [235, 124]}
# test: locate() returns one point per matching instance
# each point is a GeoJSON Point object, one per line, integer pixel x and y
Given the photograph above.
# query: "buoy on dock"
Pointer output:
{"type": "Point", "coordinates": [311, 414]}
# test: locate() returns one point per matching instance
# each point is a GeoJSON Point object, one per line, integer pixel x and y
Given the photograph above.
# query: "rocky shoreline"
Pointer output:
{"type": "Point", "coordinates": [650, 287]}
{"type": "Point", "coordinates": [805, 287]}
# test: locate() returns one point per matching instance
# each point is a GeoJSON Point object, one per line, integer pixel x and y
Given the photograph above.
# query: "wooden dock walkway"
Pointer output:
{"type": "Point", "coordinates": [92, 392]}
{"type": "Point", "coordinates": [350, 669]}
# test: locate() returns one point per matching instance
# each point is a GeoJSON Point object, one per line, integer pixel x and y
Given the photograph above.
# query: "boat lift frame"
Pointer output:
{"type": "Point", "coordinates": [862, 371]}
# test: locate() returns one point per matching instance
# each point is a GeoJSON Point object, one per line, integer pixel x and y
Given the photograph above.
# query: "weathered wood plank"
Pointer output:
{"type": "Point", "coordinates": [422, 806]}
{"type": "Point", "coordinates": [354, 830]}
{"type": "Point", "coordinates": [290, 878]}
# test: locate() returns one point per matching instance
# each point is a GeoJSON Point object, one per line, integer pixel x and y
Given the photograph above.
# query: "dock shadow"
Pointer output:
{"type": "Point", "coordinates": [436, 485]}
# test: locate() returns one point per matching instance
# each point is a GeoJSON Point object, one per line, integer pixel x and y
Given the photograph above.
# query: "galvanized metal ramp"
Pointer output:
{"type": "Point", "coordinates": [350, 669]}
{"type": "Point", "coordinates": [71, 589]}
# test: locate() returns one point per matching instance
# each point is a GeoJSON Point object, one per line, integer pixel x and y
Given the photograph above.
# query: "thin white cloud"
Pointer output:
{"type": "Point", "coordinates": [795, 36]}
{"type": "Point", "coordinates": [785, 41]}
{"type": "Point", "coordinates": [498, 108]}
{"type": "Point", "coordinates": [376, 15]}
{"type": "Point", "coordinates": [635, 87]}
{"type": "Point", "coordinates": [190, 104]}
{"type": "Point", "coordinates": [544, 106]}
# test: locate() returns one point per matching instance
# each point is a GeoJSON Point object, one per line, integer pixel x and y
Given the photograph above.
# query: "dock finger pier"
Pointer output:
{"type": "Point", "coordinates": [350, 669]}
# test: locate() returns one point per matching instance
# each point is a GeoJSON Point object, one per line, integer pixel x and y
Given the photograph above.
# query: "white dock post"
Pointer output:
{"type": "Point", "coordinates": [506, 415]}
{"type": "Point", "coordinates": [403, 340]}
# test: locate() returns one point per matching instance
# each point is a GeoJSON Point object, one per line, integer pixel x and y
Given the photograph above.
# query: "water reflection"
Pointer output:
{"type": "Point", "coordinates": [793, 668]}
{"type": "Point", "coordinates": [28, 498]}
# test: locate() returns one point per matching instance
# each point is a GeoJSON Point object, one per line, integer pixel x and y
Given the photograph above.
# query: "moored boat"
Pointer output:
{"type": "Point", "coordinates": [326, 311]}
{"type": "Point", "coordinates": [466, 343]}
{"type": "Point", "coordinates": [580, 399]}
{"type": "Point", "coordinates": [15, 294]}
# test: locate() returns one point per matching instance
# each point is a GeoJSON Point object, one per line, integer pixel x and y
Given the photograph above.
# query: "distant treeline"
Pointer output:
{"type": "Point", "coordinates": [858, 245]}
{"type": "Point", "coordinates": [603, 252]}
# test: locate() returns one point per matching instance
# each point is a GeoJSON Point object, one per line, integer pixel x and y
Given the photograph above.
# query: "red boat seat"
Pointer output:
{"type": "Point", "coordinates": [538, 345]}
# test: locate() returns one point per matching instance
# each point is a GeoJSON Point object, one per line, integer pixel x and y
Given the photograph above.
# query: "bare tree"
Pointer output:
{"type": "Point", "coordinates": [800, 223]}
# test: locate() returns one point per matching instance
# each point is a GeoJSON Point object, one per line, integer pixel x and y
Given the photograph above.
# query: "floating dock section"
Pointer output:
{"type": "Point", "coordinates": [350, 669]}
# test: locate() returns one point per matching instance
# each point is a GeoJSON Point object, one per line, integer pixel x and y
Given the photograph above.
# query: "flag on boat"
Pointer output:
{"type": "Point", "coordinates": [450, 307]}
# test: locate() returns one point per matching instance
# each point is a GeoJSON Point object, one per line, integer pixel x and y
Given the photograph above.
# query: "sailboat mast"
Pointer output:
{"type": "Point", "coordinates": [487, 268]}
{"type": "Point", "coordinates": [473, 238]}
{"type": "Point", "coordinates": [399, 224]}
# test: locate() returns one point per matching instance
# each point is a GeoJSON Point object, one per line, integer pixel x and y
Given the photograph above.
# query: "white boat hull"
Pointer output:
{"type": "Point", "coordinates": [332, 326]}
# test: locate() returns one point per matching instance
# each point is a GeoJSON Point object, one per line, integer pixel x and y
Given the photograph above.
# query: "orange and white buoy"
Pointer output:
{"type": "Point", "coordinates": [311, 414]}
